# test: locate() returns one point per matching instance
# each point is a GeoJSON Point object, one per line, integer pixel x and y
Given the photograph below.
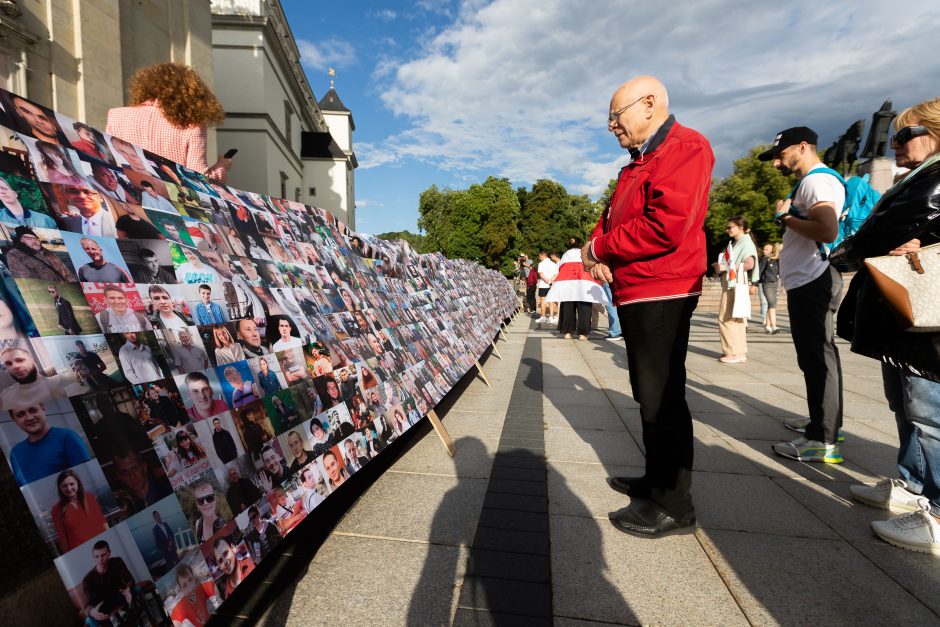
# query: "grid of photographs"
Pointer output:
{"type": "Point", "coordinates": [188, 370]}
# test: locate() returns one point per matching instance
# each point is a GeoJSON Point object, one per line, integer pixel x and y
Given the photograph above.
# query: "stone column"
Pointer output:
{"type": "Point", "coordinates": [881, 170]}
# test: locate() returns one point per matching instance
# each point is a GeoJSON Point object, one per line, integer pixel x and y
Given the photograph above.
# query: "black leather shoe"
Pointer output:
{"type": "Point", "coordinates": [634, 487]}
{"type": "Point", "coordinates": [645, 519]}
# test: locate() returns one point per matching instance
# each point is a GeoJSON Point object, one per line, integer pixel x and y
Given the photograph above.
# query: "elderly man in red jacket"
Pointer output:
{"type": "Point", "coordinates": [650, 244]}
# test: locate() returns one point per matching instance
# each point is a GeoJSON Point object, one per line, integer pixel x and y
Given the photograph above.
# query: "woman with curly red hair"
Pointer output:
{"type": "Point", "coordinates": [171, 109]}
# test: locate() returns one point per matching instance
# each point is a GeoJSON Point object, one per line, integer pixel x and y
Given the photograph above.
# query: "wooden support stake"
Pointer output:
{"type": "Point", "coordinates": [442, 433]}
{"type": "Point", "coordinates": [496, 351]}
{"type": "Point", "coordinates": [483, 374]}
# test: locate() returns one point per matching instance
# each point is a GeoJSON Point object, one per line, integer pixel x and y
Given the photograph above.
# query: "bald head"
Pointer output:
{"type": "Point", "coordinates": [637, 109]}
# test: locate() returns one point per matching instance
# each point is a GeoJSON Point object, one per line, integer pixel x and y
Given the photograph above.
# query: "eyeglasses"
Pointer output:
{"type": "Point", "coordinates": [616, 114]}
{"type": "Point", "coordinates": [908, 133]}
{"type": "Point", "coordinates": [78, 191]}
{"type": "Point", "coordinates": [202, 500]}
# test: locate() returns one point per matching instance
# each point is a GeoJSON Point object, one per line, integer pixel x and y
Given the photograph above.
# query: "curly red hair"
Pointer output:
{"type": "Point", "coordinates": [181, 94]}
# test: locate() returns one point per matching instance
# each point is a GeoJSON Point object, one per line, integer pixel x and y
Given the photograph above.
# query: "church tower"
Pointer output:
{"type": "Point", "coordinates": [332, 184]}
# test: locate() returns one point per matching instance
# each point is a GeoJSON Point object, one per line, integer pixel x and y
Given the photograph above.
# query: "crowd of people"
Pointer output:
{"type": "Point", "coordinates": [650, 246]}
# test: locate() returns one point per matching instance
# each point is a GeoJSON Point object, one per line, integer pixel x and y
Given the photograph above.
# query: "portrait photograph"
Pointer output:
{"type": "Point", "coordinates": [85, 363]}
{"type": "Point", "coordinates": [58, 308]}
{"type": "Point", "coordinates": [41, 439]}
{"type": "Point", "coordinates": [163, 536]}
{"type": "Point", "coordinates": [140, 356]}
{"type": "Point", "coordinates": [148, 260]}
{"type": "Point", "coordinates": [183, 455]}
{"type": "Point", "coordinates": [72, 506]}
{"type": "Point", "coordinates": [102, 597]}
{"type": "Point", "coordinates": [188, 591]}
{"type": "Point", "coordinates": [22, 203]}
{"type": "Point", "coordinates": [221, 440]}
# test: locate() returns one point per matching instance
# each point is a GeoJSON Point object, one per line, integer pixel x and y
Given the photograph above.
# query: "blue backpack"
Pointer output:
{"type": "Point", "coordinates": [860, 199]}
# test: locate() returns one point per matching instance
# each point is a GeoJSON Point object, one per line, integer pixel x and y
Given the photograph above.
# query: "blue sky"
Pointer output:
{"type": "Point", "coordinates": [449, 92]}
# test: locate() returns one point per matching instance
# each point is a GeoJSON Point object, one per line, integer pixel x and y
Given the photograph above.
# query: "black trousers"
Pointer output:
{"type": "Point", "coordinates": [657, 338]}
{"type": "Point", "coordinates": [574, 317]}
{"type": "Point", "coordinates": [530, 297]}
{"type": "Point", "coordinates": [812, 309]}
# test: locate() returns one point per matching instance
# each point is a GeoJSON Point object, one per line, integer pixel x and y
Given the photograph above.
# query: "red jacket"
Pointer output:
{"type": "Point", "coordinates": [652, 235]}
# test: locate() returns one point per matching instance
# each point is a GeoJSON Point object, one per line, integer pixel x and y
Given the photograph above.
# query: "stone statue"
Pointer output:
{"type": "Point", "coordinates": [877, 144]}
{"type": "Point", "coordinates": [844, 151]}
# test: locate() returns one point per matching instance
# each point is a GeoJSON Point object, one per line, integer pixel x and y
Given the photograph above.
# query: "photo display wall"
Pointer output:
{"type": "Point", "coordinates": [188, 370]}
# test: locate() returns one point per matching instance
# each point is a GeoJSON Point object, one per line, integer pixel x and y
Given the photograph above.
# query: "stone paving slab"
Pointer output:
{"type": "Point", "coordinates": [779, 542]}
{"type": "Point", "coordinates": [366, 581]}
{"type": "Point", "coordinates": [796, 581]}
{"type": "Point", "coordinates": [601, 574]}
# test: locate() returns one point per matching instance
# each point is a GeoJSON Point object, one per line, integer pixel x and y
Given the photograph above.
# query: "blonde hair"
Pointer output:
{"type": "Point", "coordinates": [181, 94]}
{"type": "Point", "coordinates": [927, 114]}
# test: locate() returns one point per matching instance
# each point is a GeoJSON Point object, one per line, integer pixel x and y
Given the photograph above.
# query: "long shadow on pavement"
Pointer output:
{"type": "Point", "coordinates": [789, 512]}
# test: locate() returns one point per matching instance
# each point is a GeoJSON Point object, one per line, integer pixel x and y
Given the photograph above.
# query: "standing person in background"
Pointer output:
{"type": "Point", "coordinates": [576, 291]}
{"type": "Point", "coordinates": [769, 285]}
{"type": "Point", "coordinates": [741, 254]}
{"type": "Point", "coordinates": [814, 289]}
{"type": "Point", "coordinates": [531, 284]}
{"type": "Point", "coordinates": [650, 243]}
{"type": "Point", "coordinates": [171, 108]}
{"type": "Point", "coordinates": [547, 270]}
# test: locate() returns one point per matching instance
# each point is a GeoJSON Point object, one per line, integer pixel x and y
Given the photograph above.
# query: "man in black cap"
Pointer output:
{"type": "Point", "coordinates": [811, 218]}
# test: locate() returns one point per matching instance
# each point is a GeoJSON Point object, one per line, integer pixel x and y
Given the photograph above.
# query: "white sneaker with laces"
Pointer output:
{"type": "Point", "coordinates": [889, 494]}
{"type": "Point", "coordinates": [918, 531]}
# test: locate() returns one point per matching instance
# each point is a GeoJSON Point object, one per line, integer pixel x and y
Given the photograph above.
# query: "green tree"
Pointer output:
{"type": "Point", "coordinates": [417, 241]}
{"type": "Point", "coordinates": [545, 205]}
{"type": "Point", "coordinates": [500, 228]}
{"type": "Point", "coordinates": [751, 190]}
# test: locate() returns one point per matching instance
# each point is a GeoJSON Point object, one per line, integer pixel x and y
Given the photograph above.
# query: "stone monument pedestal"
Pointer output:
{"type": "Point", "coordinates": [881, 170]}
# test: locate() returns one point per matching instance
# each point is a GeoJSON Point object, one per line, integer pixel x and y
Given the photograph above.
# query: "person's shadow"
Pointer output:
{"type": "Point", "coordinates": [508, 574]}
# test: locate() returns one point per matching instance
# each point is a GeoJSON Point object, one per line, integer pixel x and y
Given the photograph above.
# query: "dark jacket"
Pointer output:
{"type": "Point", "coordinates": [67, 318]}
{"type": "Point", "coordinates": [25, 263]}
{"type": "Point", "coordinates": [909, 210]}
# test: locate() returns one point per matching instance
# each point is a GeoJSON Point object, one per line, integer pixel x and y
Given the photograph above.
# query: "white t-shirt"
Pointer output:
{"type": "Point", "coordinates": [800, 260]}
{"type": "Point", "coordinates": [548, 269]}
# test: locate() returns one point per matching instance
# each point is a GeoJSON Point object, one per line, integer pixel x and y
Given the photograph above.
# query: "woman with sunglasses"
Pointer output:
{"type": "Point", "coordinates": [904, 220]}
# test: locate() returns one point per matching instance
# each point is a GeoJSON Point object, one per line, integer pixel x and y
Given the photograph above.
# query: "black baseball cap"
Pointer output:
{"type": "Point", "coordinates": [789, 137]}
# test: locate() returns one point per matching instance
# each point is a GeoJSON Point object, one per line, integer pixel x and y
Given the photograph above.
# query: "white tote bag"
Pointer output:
{"type": "Point", "coordinates": [742, 296]}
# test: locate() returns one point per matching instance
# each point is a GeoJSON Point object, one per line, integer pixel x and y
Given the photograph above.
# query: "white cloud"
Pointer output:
{"type": "Point", "coordinates": [362, 203]}
{"type": "Point", "coordinates": [332, 52]}
{"type": "Point", "coordinates": [386, 15]}
{"type": "Point", "coordinates": [521, 87]}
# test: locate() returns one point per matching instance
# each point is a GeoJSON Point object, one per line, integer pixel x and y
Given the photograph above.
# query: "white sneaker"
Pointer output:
{"type": "Point", "coordinates": [889, 494]}
{"type": "Point", "coordinates": [553, 320]}
{"type": "Point", "coordinates": [918, 531]}
{"type": "Point", "coordinates": [540, 320]}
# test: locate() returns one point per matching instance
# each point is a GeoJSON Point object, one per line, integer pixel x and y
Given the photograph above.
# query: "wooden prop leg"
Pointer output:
{"type": "Point", "coordinates": [496, 351]}
{"type": "Point", "coordinates": [442, 433]}
{"type": "Point", "coordinates": [483, 374]}
{"type": "Point", "coordinates": [502, 335]}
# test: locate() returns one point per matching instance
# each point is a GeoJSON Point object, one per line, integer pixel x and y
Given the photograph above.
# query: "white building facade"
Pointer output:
{"type": "Point", "coordinates": [285, 141]}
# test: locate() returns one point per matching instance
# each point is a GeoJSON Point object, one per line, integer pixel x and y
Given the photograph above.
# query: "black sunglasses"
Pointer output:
{"type": "Point", "coordinates": [908, 133]}
{"type": "Point", "coordinates": [202, 500]}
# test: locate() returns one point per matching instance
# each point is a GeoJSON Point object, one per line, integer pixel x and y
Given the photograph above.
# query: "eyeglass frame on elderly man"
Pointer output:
{"type": "Point", "coordinates": [614, 115]}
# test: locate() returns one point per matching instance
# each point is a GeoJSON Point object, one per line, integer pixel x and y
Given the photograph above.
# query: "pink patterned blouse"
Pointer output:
{"type": "Point", "coordinates": [145, 126]}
